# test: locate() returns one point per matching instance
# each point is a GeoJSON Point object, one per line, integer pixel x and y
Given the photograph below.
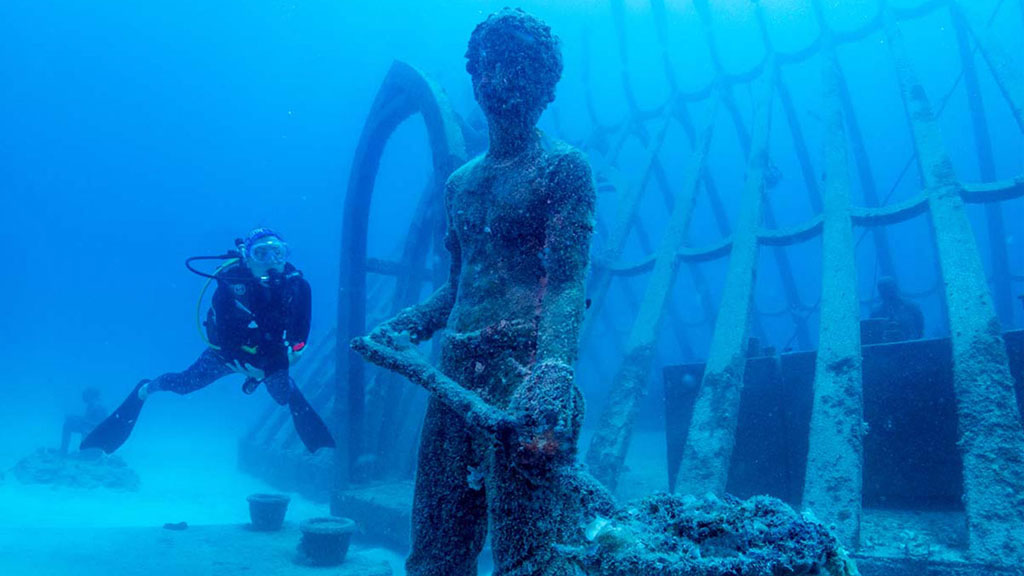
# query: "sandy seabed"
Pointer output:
{"type": "Point", "coordinates": [47, 530]}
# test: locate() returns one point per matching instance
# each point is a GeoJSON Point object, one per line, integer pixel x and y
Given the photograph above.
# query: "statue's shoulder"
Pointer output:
{"type": "Point", "coordinates": [465, 174]}
{"type": "Point", "coordinates": [560, 152]}
{"type": "Point", "coordinates": [568, 168]}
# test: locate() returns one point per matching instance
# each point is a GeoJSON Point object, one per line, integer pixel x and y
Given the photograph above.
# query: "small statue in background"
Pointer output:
{"type": "Point", "coordinates": [904, 320]}
{"type": "Point", "coordinates": [83, 423]}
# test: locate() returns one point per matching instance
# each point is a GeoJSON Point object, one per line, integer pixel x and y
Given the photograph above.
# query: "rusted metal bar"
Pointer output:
{"type": "Point", "coordinates": [712, 433]}
{"type": "Point", "coordinates": [835, 455]}
{"type": "Point", "coordinates": [998, 256]}
{"type": "Point", "coordinates": [991, 437]}
{"type": "Point", "coordinates": [611, 442]}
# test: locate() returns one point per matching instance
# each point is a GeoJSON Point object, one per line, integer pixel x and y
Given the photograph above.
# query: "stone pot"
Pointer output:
{"type": "Point", "coordinates": [325, 540]}
{"type": "Point", "coordinates": [267, 511]}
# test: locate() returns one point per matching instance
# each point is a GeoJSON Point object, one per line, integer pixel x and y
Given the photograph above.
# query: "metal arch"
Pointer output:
{"type": "Point", "coordinates": [404, 92]}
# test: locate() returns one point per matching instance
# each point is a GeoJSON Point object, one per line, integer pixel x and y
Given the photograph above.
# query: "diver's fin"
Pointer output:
{"type": "Point", "coordinates": [311, 429]}
{"type": "Point", "coordinates": [112, 432]}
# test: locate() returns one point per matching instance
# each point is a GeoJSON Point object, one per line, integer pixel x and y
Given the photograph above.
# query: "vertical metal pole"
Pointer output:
{"type": "Point", "coordinates": [865, 175]}
{"type": "Point", "coordinates": [712, 435]}
{"type": "Point", "coordinates": [800, 145]}
{"type": "Point", "coordinates": [835, 454]}
{"type": "Point", "coordinates": [628, 204]}
{"type": "Point", "coordinates": [610, 444]}
{"type": "Point", "coordinates": [789, 287]}
{"type": "Point", "coordinates": [987, 170]}
{"type": "Point", "coordinates": [991, 437]}
{"type": "Point", "coordinates": [1005, 70]}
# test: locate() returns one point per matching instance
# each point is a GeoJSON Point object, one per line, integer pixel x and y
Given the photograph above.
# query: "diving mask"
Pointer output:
{"type": "Point", "coordinates": [270, 251]}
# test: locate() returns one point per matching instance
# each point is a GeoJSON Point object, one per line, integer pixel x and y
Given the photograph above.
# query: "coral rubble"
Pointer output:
{"type": "Point", "coordinates": [90, 469]}
{"type": "Point", "coordinates": [673, 535]}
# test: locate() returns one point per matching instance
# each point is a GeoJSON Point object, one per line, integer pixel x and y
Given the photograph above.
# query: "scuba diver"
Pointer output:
{"type": "Point", "coordinates": [904, 320]}
{"type": "Point", "coordinates": [257, 326]}
{"type": "Point", "coordinates": [85, 422]}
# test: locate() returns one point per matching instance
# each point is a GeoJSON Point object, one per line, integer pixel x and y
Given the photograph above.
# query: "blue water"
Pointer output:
{"type": "Point", "coordinates": [135, 135]}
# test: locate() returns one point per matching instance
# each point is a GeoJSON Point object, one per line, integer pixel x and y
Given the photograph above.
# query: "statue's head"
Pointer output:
{"type": "Point", "coordinates": [515, 63]}
{"type": "Point", "coordinates": [91, 395]}
{"type": "Point", "coordinates": [888, 288]}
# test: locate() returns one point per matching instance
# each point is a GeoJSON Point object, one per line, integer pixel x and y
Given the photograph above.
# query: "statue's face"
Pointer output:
{"type": "Point", "coordinates": [888, 289]}
{"type": "Point", "coordinates": [504, 87]}
{"type": "Point", "coordinates": [515, 63]}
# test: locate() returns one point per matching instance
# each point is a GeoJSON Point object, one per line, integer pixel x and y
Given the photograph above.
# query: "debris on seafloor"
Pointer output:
{"type": "Point", "coordinates": [89, 469]}
{"type": "Point", "coordinates": [673, 535]}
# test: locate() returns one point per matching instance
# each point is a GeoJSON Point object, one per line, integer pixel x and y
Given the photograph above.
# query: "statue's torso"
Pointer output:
{"type": "Point", "coordinates": [499, 214]}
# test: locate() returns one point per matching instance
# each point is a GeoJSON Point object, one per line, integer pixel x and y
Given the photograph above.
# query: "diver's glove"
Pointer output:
{"type": "Point", "coordinates": [247, 370]}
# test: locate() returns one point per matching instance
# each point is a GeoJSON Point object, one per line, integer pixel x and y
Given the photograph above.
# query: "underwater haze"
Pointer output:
{"type": "Point", "coordinates": [135, 135]}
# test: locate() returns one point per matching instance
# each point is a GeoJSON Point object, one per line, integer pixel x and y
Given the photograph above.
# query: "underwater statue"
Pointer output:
{"type": "Point", "coordinates": [499, 442]}
{"type": "Point", "coordinates": [85, 422]}
{"type": "Point", "coordinates": [902, 318]}
{"type": "Point", "coordinates": [520, 218]}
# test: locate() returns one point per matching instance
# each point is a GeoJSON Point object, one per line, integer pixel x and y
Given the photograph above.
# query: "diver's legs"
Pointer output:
{"type": "Point", "coordinates": [279, 385]}
{"type": "Point", "coordinates": [449, 519]}
{"type": "Point", "coordinates": [208, 368]}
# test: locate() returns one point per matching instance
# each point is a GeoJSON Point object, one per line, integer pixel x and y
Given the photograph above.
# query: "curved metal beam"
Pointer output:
{"type": "Point", "coordinates": [404, 93]}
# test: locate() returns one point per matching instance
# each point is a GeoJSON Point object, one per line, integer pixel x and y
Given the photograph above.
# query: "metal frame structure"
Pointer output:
{"type": "Point", "coordinates": [987, 409]}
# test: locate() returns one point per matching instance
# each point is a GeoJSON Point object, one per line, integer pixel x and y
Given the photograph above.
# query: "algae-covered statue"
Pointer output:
{"type": "Point", "coordinates": [520, 219]}
{"type": "Point", "coordinates": [498, 445]}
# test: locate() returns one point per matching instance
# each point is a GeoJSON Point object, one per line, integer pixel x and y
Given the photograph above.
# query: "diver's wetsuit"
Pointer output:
{"type": "Point", "coordinates": [252, 321]}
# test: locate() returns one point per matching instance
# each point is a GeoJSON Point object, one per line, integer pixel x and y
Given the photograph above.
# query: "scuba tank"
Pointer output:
{"type": "Point", "coordinates": [228, 259]}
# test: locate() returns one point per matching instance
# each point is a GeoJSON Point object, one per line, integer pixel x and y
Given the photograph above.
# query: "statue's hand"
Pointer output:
{"type": "Point", "coordinates": [546, 408]}
{"type": "Point", "coordinates": [393, 336]}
